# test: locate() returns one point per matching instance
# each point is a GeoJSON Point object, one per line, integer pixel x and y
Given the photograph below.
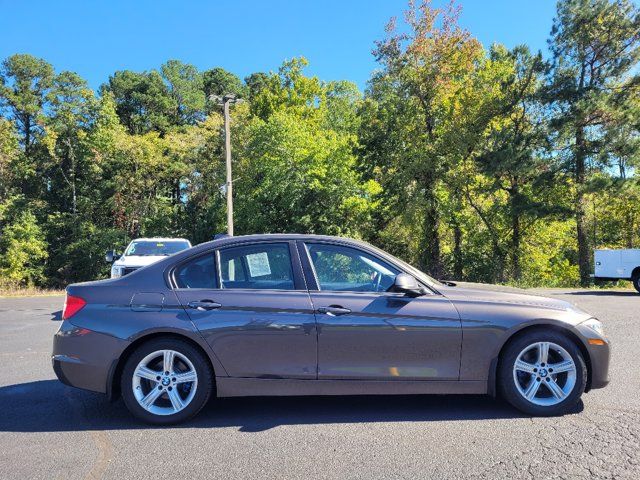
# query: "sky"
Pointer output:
{"type": "Point", "coordinates": [97, 38]}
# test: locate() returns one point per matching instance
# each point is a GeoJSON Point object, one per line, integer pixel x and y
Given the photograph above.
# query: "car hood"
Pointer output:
{"type": "Point", "coordinates": [138, 261]}
{"type": "Point", "coordinates": [500, 294]}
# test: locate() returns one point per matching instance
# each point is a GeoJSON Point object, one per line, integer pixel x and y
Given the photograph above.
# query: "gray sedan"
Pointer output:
{"type": "Point", "coordinates": [317, 315]}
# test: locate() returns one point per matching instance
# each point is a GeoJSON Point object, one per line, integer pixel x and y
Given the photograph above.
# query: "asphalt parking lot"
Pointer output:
{"type": "Point", "coordinates": [48, 430]}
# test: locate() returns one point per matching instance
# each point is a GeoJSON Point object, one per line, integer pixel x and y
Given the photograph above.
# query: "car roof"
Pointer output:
{"type": "Point", "coordinates": [262, 237]}
{"type": "Point", "coordinates": [278, 236]}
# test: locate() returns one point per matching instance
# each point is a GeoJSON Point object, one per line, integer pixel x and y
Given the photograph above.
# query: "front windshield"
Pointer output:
{"type": "Point", "coordinates": [147, 248]}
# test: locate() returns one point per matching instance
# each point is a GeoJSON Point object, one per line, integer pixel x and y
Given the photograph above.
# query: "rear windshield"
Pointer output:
{"type": "Point", "coordinates": [147, 248]}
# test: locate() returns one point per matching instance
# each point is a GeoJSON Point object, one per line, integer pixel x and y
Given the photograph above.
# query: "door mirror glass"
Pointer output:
{"type": "Point", "coordinates": [405, 283]}
{"type": "Point", "coordinates": [111, 256]}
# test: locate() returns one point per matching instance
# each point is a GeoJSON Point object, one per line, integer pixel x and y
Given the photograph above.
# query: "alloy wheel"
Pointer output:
{"type": "Point", "coordinates": [544, 373]}
{"type": "Point", "coordinates": [164, 382]}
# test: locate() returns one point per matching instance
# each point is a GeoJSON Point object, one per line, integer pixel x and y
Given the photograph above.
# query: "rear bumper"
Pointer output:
{"type": "Point", "coordinates": [83, 358]}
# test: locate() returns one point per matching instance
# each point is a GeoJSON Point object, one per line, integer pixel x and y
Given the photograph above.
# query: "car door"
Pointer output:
{"type": "Point", "coordinates": [251, 304]}
{"type": "Point", "coordinates": [366, 332]}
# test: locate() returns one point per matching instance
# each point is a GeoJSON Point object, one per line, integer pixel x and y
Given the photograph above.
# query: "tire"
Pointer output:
{"type": "Point", "coordinates": [175, 397]}
{"type": "Point", "coordinates": [636, 283]}
{"type": "Point", "coordinates": [553, 393]}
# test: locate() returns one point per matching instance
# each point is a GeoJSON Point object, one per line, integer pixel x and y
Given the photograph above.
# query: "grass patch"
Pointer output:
{"type": "Point", "coordinates": [29, 292]}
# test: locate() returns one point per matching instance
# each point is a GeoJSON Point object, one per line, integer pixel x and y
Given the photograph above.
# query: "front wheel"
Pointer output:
{"type": "Point", "coordinates": [166, 381]}
{"type": "Point", "coordinates": [542, 373]}
{"type": "Point", "coordinates": [636, 282]}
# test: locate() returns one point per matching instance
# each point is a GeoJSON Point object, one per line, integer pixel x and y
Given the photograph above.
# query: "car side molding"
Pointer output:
{"type": "Point", "coordinates": [242, 387]}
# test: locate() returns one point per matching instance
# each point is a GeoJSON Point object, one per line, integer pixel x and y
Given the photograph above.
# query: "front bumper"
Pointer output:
{"type": "Point", "coordinates": [83, 358]}
{"type": "Point", "coordinates": [599, 357]}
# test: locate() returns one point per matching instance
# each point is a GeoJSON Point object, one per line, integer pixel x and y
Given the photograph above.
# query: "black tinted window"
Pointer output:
{"type": "Point", "coordinates": [198, 273]}
{"type": "Point", "coordinates": [341, 268]}
{"type": "Point", "coordinates": [265, 266]}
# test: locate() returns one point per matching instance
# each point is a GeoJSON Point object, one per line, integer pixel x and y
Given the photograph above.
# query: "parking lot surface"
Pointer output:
{"type": "Point", "coordinates": [48, 430]}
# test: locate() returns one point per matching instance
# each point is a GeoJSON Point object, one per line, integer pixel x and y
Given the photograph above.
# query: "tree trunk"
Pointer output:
{"type": "Point", "coordinates": [457, 251]}
{"type": "Point", "coordinates": [431, 261]}
{"type": "Point", "coordinates": [515, 232]}
{"type": "Point", "coordinates": [500, 259]}
{"type": "Point", "coordinates": [584, 264]}
{"type": "Point", "coordinates": [72, 175]}
{"type": "Point", "coordinates": [630, 224]}
{"type": "Point", "coordinates": [27, 136]}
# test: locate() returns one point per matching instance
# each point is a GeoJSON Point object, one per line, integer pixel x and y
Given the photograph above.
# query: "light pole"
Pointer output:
{"type": "Point", "coordinates": [226, 101]}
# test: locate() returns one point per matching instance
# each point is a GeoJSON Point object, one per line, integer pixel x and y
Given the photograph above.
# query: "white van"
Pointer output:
{"type": "Point", "coordinates": [618, 265]}
{"type": "Point", "coordinates": [142, 252]}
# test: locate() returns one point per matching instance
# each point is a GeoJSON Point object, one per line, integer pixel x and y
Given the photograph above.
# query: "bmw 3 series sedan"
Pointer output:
{"type": "Point", "coordinates": [317, 315]}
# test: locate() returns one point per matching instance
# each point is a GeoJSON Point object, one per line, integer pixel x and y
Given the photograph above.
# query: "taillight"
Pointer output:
{"type": "Point", "coordinates": [72, 305]}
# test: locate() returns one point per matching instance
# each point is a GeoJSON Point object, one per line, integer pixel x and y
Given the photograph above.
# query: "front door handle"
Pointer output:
{"type": "Point", "coordinates": [334, 310]}
{"type": "Point", "coordinates": [204, 305]}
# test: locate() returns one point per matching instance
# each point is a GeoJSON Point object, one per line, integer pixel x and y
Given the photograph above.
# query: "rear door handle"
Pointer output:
{"type": "Point", "coordinates": [204, 305]}
{"type": "Point", "coordinates": [334, 310]}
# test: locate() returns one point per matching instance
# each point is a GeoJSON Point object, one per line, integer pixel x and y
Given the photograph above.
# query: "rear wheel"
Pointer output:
{"type": "Point", "coordinates": [542, 373]}
{"type": "Point", "coordinates": [166, 381]}
{"type": "Point", "coordinates": [636, 282]}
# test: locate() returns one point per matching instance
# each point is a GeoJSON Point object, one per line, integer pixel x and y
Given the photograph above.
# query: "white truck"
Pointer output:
{"type": "Point", "coordinates": [618, 265]}
{"type": "Point", "coordinates": [142, 252]}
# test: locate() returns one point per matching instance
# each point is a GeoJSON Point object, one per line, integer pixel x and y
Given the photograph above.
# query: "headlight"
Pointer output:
{"type": "Point", "coordinates": [116, 272]}
{"type": "Point", "coordinates": [595, 325]}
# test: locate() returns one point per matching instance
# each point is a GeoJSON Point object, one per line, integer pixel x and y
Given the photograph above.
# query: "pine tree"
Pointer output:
{"type": "Point", "coordinates": [596, 47]}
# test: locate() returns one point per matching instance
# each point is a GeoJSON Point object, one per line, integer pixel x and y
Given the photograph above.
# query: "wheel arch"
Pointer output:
{"type": "Point", "coordinates": [492, 387]}
{"type": "Point", "coordinates": [115, 372]}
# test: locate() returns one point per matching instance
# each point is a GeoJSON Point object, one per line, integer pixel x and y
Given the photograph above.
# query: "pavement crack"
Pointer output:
{"type": "Point", "coordinates": [100, 439]}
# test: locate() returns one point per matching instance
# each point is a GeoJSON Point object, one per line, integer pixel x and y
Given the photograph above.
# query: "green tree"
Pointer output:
{"type": "Point", "coordinates": [297, 163]}
{"type": "Point", "coordinates": [595, 46]}
{"type": "Point", "coordinates": [143, 101]}
{"type": "Point", "coordinates": [185, 87]}
{"type": "Point", "coordinates": [512, 158]}
{"type": "Point", "coordinates": [219, 81]}
{"type": "Point", "coordinates": [72, 110]}
{"type": "Point", "coordinates": [426, 68]}
{"type": "Point", "coordinates": [22, 250]}
{"type": "Point", "coordinates": [200, 203]}
{"type": "Point", "coordinates": [24, 84]}
{"type": "Point", "coordinates": [255, 83]}
{"type": "Point", "coordinates": [9, 152]}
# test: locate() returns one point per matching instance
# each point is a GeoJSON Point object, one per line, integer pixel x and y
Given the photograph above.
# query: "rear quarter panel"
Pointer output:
{"type": "Point", "coordinates": [109, 310]}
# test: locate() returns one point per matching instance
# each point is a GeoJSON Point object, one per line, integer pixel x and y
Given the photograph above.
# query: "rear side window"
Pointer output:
{"type": "Point", "coordinates": [197, 273]}
{"type": "Point", "coordinates": [259, 266]}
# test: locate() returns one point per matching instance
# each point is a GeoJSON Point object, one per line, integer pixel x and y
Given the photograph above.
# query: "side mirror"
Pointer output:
{"type": "Point", "coordinates": [111, 256]}
{"type": "Point", "coordinates": [408, 285]}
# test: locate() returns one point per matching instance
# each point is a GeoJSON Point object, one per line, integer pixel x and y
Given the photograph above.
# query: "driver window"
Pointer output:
{"type": "Point", "coordinates": [340, 268]}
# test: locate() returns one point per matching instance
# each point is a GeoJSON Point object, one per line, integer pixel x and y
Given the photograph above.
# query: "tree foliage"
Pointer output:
{"type": "Point", "coordinates": [473, 162]}
{"type": "Point", "coordinates": [593, 92]}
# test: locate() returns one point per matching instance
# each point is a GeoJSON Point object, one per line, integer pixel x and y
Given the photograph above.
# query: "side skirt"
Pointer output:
{"type": "Point", "coordinates": [247, 387]}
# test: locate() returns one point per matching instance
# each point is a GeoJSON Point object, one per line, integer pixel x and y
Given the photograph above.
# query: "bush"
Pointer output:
{"type": "Point", "coordinates": [23, 252]}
